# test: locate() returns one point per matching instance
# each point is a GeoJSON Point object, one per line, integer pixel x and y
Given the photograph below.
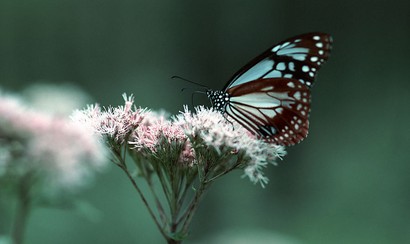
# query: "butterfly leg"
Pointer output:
{"type": "Point", "coordinates": [226, 117]}
{"type": "Point", "coordinates": [192, 99]}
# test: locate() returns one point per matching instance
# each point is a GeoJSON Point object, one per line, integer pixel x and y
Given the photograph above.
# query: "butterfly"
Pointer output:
{"type": "Point", "coordinates": [270, 96]}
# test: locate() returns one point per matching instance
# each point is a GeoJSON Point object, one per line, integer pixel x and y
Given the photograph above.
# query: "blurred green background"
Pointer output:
{"type": "Point", "coordinates": [348, 182]}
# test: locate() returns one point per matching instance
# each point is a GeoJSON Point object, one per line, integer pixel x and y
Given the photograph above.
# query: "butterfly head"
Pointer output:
{"type": "Point", "coordinates": [219, 99]}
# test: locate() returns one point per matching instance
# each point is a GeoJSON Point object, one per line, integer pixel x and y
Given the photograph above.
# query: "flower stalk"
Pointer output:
{"type": "Point", "coordinates": [23, 209]}
{"type": "Point", "coordinates": [43, 158]}
{"type": "Point", "coordinates": [177, 158]}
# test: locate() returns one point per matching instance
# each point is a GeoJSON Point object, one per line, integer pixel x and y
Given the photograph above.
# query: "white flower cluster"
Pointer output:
{"type": "Point", "coordinates": [217, 131]}
{"type": "Point", "coordinates": [144, 129]}
{"type": "Point", "coordinates": [115, 122]}
{"type": "Point", "coordinates": [60, 152]}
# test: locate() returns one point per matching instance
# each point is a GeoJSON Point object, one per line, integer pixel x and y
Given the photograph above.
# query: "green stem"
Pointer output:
{"type": "Point", "coordinates": [172, 241]}
{"type": "Point", "coordinates": [223, 173]}
{"type": "Point", "coordinates": [161, 211]}
{"type": "Point", "coordinates": [164, 184]}
{"type": "Point", "coordinates": [23, 210]}
{"type": "Point", "coordinates": [122, 164]}
{"type": "Point", "coordinates": [193, 206]}
{"type": "Point", "coordinates": [144, 200]}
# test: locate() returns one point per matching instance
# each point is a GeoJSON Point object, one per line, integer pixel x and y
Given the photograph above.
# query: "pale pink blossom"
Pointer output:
{"type": "Point", "coordinates": [218, 132]}
{"type": "Point", "coordinates": [152, 129]}
{"type": "Point", "coordinates": [148, 131]}
{"type": "Point", "coordinates": [115, 122]}
{"type": "Point", "coordinates": [64, 153]}
{"type": "Point", "coordinates": [141, 128]}
{"type": "Point", "coordinates": [187, 155]}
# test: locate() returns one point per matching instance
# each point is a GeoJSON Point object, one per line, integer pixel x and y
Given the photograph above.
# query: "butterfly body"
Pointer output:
{"type": "Point", "coordinates": [270, 96]}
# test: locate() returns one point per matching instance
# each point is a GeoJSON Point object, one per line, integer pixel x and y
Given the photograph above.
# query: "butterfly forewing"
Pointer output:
{"type": "Point", "coordinates": [274, 109]}
{"type": "Point", "coordinates": [298, 58]}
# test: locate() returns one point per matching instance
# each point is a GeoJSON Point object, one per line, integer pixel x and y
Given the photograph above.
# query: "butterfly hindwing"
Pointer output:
{"type": "Point", "coordinates": [298, 58]}
{"type": "Point", "coordinates": [275, 109]}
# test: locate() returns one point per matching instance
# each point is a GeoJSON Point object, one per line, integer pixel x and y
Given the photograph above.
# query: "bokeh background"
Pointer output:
{"type": "Point", "coordinates": [348, 182]}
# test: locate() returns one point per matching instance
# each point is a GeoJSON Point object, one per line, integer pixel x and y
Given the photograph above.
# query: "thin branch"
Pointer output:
{"type": "Point", "coordinates": [194, 206]}
{"type": "Point", "coordinates": [161, 211]}
{"type": "Point", "coordinates": [123, 166]}
{"type": "Point", "coordinates": [223, 173]}
{"type": "Point", "coordinates": [24, 204]}
{"type": "Point", "coordinates": [144, 200]}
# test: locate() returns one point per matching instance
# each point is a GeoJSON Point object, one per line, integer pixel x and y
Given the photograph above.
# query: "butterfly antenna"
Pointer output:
{"type": "Point", "coordinates": [190, 81]}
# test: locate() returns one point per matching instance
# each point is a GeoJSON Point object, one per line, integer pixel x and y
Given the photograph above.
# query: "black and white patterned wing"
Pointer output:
{"type": "Point", "coordinates": [298, 58]}
{"type": "Point", "coordinates": [273, 109]}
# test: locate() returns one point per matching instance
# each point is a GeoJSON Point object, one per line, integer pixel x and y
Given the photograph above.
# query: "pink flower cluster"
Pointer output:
{"type": "Point", "coordinates": [64, 153]}
{"type": "Point", "coordinates": [115, 123]}
{"type": "Point", "coordinates": [140, 128]}
{"type": "Point", "coordinates": [146, 130]}
{"type": "Point", "coordinates": [152, 128]}
{"type": "Point", "coordinates": [216, 131]}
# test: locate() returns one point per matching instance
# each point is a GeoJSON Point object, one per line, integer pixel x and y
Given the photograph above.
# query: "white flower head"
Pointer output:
{"type": "Point", "coordinates": [191, 134]}
{"type": "Point", "coordinates": [218, 132]}
{"type": "Point", "coordinates": [62, 153]}
{"type": "Point", "coordinates": [114, 122]}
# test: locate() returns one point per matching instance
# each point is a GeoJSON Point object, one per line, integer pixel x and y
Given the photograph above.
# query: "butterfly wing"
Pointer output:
{"type": "Point", "coordinates": [299, 58]}
{"type": "Point", "coordinates": [275, 109]}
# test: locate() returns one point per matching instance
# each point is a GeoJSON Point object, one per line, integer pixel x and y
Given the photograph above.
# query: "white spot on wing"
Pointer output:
{"type": "Point", "coordinates": [269, 112]}
{"type": "Point", "coordinates": [300, 57]}
{"type": "Point", "coordinates": [275, 48]}
{"type": "Point", "coordinates": [273, 130]}
{"type": "Point", "coordinates": [291, 51]}
{"type": "Point", "coordinates": [281, 66]}
{"type": "Point", "coordinates": [273, 74]}
{"type": "Point", "coordinates": [292, 66]}
{"type": "Point", "coordinates": [297, 95]}
{"type": "Point", "coordinates": [261, 100]}
{"type": "Point", "coordinates": [287, 104]}
{"type": "Point", "coordinates": [268, 88]}
{"type": "Point", "coordinates": [305, 68]}
{"type": "Point", "coordinates": [291, 84]}
{"type": "Point", "coordinates": [285, 44]}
